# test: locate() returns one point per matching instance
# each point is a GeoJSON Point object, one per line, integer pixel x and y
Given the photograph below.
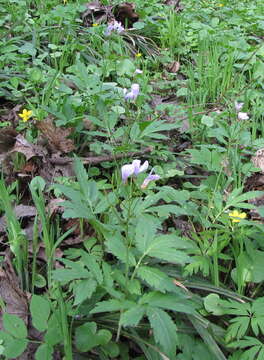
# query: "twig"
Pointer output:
{"type": "Point", "coordinates": [99, 159]}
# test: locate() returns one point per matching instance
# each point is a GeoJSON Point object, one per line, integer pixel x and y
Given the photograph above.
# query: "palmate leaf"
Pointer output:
{"type": "Point", "coordinates": [256, 351]}
{"type": "Point", "coordinates": [153, 127]}
{"type": "Point", "coordinates": [238, 328]}
{"type": "Point", "coordinates": [164, 330]}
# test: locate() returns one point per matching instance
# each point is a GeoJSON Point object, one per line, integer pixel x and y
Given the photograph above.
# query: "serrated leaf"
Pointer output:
{"type": "Point", "coordinates": [171, 255]}
{"type": "Point", "coordinates": [155, 278]}
{"type": "Point", "coordinates": [164, 330]}
{"type": "Point", "coordinates": [40, 312]}
{"type": "Point", "coordinates": [14, 326]}
{"type": "Point", "coordinates": [168, 302]}
{"type": "Point", "coordinates": [84, 290]}
{"type": "Point", "coordinates": [145, 234]}
{"type": "Point", "coordinates": [111, 305]}
{"type": "Point", "coordinates": [132, 316]}
{"type": "Point", "coordinates": [93, 266]}
{"type": "Point", "coordinates": [116, 246]}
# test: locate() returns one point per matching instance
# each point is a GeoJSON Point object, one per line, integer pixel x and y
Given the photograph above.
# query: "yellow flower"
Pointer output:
{"type": "Point", "coordinates": [65, 2]}
{"type": "Point", "coordinates": [95, 24]}
{"type": "Point", "coordinates": [25, 115]}
{"type": "Point", "coordinates": [138, 55]}
{"type": "Point", "coordinates": [237, 216]}
{"type": "Point", "coordinates": [220, 5]}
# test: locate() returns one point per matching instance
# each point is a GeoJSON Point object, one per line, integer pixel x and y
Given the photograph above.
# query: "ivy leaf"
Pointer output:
{"type": "Point", "coordinates": [164, 330]}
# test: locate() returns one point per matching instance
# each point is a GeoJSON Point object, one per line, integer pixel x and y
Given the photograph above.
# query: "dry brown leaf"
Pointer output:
{"type": "Point", "coordinates": [174, 67]}
{"type": "Point", "coordinates": [28, 149]}
{"type": "Point", "coordinates": [125, 13]}
{"type": "Point", "coordinates": [56, 136]}
{"type": "Point", "coordinates": [7, 139]}
{"type": "Point", "coordinates": [258, 159]}
{"type": "Point", "coordinates": [14, 298]}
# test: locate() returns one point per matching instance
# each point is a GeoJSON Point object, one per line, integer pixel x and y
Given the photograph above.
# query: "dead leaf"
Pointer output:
{"type": "Point", "coordinates": [7, 139]}
{"type": "Point", "coordinates": [56, 136]}
{"type": "Point", "coordinates": [96, 13]}
{"type": "Point", "coordinates": [175, 3]}
{"type": "Point", "coordinates": [258, 159]}
{"type": "Point", "coordinates": [125, 13]}
{"type": "Point", "coordinates": [22, 211]}
{"type": "Point", "coordinates": [29, 150]}
{"type": "Point", "coordinates": [173, 67]}
{"type": "Point", "coordinates": [14, 298]}
{"type": "Point", "coordinates": [55, 206]}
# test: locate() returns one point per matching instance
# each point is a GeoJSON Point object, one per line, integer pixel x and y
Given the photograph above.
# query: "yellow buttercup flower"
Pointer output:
{"type": "Point", "coordinates": [220, 5]}
{"type": "Point", "coordinates": [95, 24]}
{"type": "Point", "coordinates": [138, 55]}
{"type": "Point", "coordinates": [237, 216]}
{"type": "Point", "coordinates": [25, 115]}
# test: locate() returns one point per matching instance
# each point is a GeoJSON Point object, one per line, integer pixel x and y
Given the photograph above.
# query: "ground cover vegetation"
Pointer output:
{"type": "Point", "coordinates": [131, 190]}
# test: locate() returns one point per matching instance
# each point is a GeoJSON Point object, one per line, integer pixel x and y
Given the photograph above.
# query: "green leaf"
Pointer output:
{"type": "Point", "coordinates": [85, 338]}
{"type": "Point", "coordinates": [145, 234]}
{"type": "Point", "coordinates": [111, 305]}
{"type": "Point", "coordinates": [40, 312]}
{"type": "Point", "coordinates": [13, 347]}
{"type": "Point", "coordinates": [164, 330]}
{"type": "Point", "coordinates": [91, 263]}
{"type": "Point", "coordinates": [168, 302]}
{"type": "Point", "coordinates": [155, 278]}
{"type": "Point", "coordinates": [116, 246]}
{"type": "Point", "coordinates": [125, 66]}
{"type": "Point", "coordinates": [171, 255]}
{"type": "Point", "coordinates": [14, 326]}
{"type": "Point", "coordinates": [207, 120]}
{"type": "Point", "coordinates": [84, 290]}
{"type": "Point", "coordinates": [132, 316]}
{"type": "Point", "coordinates": [103, 337]}
{"type": "Point", "coordinates": [211, 304]}
{"type": "Point", "coordinates": [44, 352]}
{"type": "Point", "coordinates": [53, 334]}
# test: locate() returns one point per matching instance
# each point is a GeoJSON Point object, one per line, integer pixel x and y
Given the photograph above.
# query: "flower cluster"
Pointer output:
{"type": "Point", "coordinates": [25, 115]}
{"type": "Point", "coordinates": [237, 216]}
{"type": "Point", "coordinates": [240, 115]}
{"type": "Point", "coordinates": [136, 168]}
{"type": "Point", "coordinates": [133, 93]}
{"type": "Point", "coordinates": [114, 26]}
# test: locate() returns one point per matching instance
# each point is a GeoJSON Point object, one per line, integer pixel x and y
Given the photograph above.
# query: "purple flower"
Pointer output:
{"type": "Point", "coordinates": [114, 26]}
{"type": "Point", "coordinates": [242, 116]}
{"type": "Point", "coordinates": [133, 169]}
{"type": "Point", "coordinates": [238, 106]}
{"type": "Point", "coordinates": [133, 93]}
{"type": "Point", "coordinates": [149, 178]}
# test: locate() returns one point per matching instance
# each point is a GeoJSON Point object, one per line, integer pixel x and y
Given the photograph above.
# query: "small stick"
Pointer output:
{"type": "Point", "coordinates": [99, 159]}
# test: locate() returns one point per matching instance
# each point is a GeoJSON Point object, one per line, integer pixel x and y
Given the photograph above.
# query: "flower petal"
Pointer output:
{"type": "Point", "coordinates": [242, 116]}
{"type": "Point", "coordinates": [126, 171]}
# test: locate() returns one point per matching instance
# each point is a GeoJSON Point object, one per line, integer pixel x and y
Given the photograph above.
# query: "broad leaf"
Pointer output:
{"type": "Point", "coordinates": [40, 312]}
{"type": "Point", "coordinates": [164, 330]}
{"type": "Point", "coordinates": [132, 316]}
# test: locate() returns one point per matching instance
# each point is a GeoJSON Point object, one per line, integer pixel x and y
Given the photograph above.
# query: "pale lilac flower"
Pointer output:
{"type": "Point", "coordinates": [149, 178]}
{"type": "Point", "coordinates": [238, 106]}
{"type": "Point", "coordinates": [133, 93]}
{"type": "Point", "coordinates": [242, 116]}
{"type": "Point", "coordinates": [133, 169]}
{"type": "Point", "coordinates": [114, 26]}
{"type": "Point", "coordinates": [138, 71]}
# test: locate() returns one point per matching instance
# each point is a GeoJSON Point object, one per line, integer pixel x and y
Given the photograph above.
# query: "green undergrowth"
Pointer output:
{"type": "Point", "coordinates": [132, 225]}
